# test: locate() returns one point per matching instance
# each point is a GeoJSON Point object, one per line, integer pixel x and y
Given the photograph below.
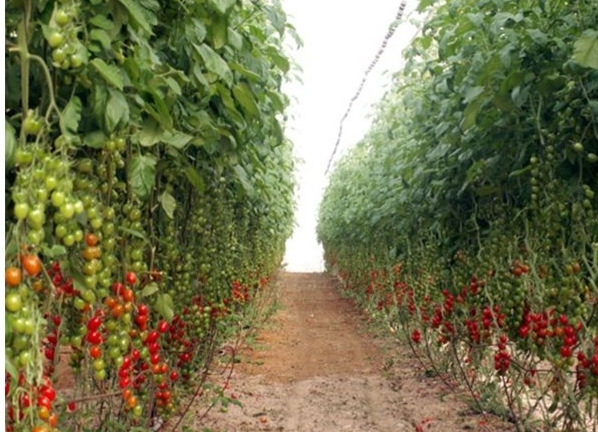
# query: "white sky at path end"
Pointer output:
{"type": "Point", "coordinates": [340, 40]}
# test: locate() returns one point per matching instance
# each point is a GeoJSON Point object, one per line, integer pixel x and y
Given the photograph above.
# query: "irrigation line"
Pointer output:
{"type": "Point", "coordinates": [389, 35]}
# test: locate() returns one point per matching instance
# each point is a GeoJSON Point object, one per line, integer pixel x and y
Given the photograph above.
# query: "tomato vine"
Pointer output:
{"type": "Point", "coordinates": [466, 218]}
{"type": "Point", "coordinates": [149, 196]}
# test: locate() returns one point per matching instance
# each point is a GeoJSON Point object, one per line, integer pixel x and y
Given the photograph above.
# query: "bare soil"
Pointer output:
{"type": "Point", "coordinates": [318, 367]}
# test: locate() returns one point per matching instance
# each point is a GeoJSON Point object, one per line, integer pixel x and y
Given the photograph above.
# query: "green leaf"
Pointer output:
{"type": "Point", "coordinates": [102, 37]}
{"type": "Point", "coordinates": [149, 289]}
{"type": "Point", "coordinates": [223, 6]}
{"type": "Point", "coordinates": [214, 63]}
{"type": "Point", "coordinates": [538, 36]}
{"type": "Point", "coordinates": [195, 179]}
{"type": "Point", "coordinates": [176, 138]}
{"type": "Point", "coordinates": [159, 110]}
{"type": "Point", "coordinates": [219, 30]}
{"type": "Point", "coordinates": [165, 306]}
{"type": "Point", "coordinates": [95, 139]}
{"type": "Point", "coordinates": [70, 117]}
{"type": "Point", "coordinates": [473, 92]}
{"type": "Point", "coordinates": [424, 4]}
{"type": "Point", "coordinates": [137, 15]}
{"type": "Point", "coordinates": [10, 146]}
{"type": "Point", "coordinates": [229, 103]}
{"type": "Point", "coordinates": [252, 76]}
{"type": "Point", "coordinates": [276, 16]}
{"type": "Point", "coordinates": [198, 31]}
{"type": "Point", "coordinates": [150, 133]}
{"type": "Point", "coordinates": [174, 86]}
{"type": "Point", "coordinates": [141, 175]}
{"type": "Point", "coordinates": [243, 178]}
{"type": "Point", "coordinates": [140, 235]}
{"type": "Point", "coordinates": [519, 172]}
{"type": "Point", "coordinates": [278, 60]}
{"type": "Point", "coordinates": [117, 110]}
{"type": "Point", "coordinates": [9, 367]}
{"type": "Point", "coordinates": [102, 22]}
{"type": "Point", "coordinates": [235, 39]}
{"type": "Point", "coordinates": [111, 74]}
{"type": "Point", "coordinates": [168, 204]}
{"type": "Point", "coordinates": [470, 113]}
{"type": "Point", "coordinates": [244, 96]}
{"type": "Point", "coordinates": [586, 51]}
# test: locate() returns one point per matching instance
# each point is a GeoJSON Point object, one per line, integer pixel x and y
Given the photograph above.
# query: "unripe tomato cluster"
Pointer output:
{"type": "Point", "coordinates": [124, 234]}
{"type": "Point", "coordinates": [62, 37]}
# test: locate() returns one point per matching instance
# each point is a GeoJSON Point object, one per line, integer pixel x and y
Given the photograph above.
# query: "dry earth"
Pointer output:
{"type": "Point", "coordinates": [317, 367]}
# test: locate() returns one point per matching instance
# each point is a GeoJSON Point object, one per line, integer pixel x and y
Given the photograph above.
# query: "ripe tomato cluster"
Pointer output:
{"type": "Point", "coordinates": [513, 342]}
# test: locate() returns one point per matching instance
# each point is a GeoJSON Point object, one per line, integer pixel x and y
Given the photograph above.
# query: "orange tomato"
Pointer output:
{"type": "Point", "coordinates": [13, 276]}
{"type": "Point", "coordinates": [53, 420]}
{"type": "Point", "coordinates": [91, 239]}
{"type": "Point", "coordinates": [31, 264]}
{"type": "Point", "coordinates": [43, 413]}
{"type": "Point", "coordinates": [132, 401]}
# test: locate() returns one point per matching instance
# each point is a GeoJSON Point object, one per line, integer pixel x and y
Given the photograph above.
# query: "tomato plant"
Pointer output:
{"type": "Point", "coordinates": [466, 217]}
{"type": "Point", "coordinates": [147, 174]}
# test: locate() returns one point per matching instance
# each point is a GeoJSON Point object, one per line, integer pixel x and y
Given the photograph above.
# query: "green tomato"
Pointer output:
{"type": "Point", "coordinates": [68, 240]}
{"type": "Point", "coordinates": [50, 183]}
{"type": "Point", "coordinates": [76, 341]}
{"type": "Point", "coordinates": [108, 213]}
{"type": "Point", "coordinates": [137, 254]}
{"type": "Point", "coordinates": [96, 223]}
{"type": "Point", "coordinates": [36, 236]}
{"type": "Point", "coordinates": [124, 341]}
{"type": "Point", "coordinates": [112, 340]}
{"type": "Point", "coordinates": [110, 146]}
{"type": "Point", "coordinates": [79, 303]}
{"type": "Point", "coordinates": [32, 125]}
{"type": "Point", "coordinates": [23, 157]}
{"type": "Point", "coordinates": [55, 39]}
{"type": "Point", "coordinates": [78, 206]}
{"type": "Point", "coordinates": [18, 325]}
{"type": "Point", "coordinates": [67, 210]}
{"type": "Point", "coordinates": [42, 195]}
{"type": "Point", "coordinates": [62, 18]}
{"type": "Point", "coordinates": [58, 55]}
{"type": "Point", "coordinates": [28, 326]}
{"type": "Point", "coordinates": [65, 64]}
{"type": "Point", "coordinates": [58, 198]}
{"type": "Point", "coordinates": [90, 281]}
{"type": "Point", "coordinates": [78, 235]}
{"type": "Point", "coordinates": [36, 218]}
{"type": "Point", "coordinates": [111, 325]}
{"type": "Point", "coordinates": [88, 295]}
{"type": "Point", "coordinates": [108, 228]}
{"type": "Point", "coordinates": [21, 210]}
{"type": "Point", "coordinates": [76, 60]}
{"type": "Point", "coordinates": [13, 302]}
{"type": "Point", "coordinates": [20, 342]}
{"type": "Point", "coordinates": [25, 358]}
{"type": "Point", "coordinates": [60, 231]}
{"type": "Point", "coordinates": [114, 353]}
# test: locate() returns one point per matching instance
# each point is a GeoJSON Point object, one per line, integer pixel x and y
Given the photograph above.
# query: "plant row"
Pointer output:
{"type": "Point", "coordinates": [466, 218]}
{"type": "Point", "coordinates": [148, 198]}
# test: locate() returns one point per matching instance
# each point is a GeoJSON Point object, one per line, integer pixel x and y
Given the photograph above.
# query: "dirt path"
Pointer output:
{"type": "Point", "coordinates": [317, 369]}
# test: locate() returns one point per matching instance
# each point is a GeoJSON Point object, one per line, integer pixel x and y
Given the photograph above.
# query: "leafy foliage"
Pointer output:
{"type": "Point", "coordinates": [146, 168]}
{"type": "Point", "coordinates": [482, 154]}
